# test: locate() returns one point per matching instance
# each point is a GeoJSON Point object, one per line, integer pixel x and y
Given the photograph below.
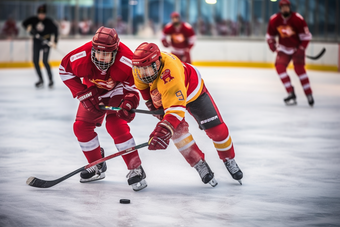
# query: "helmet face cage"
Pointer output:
{"type": "Point", "coordinates": [103, 66]}
{"type": "Point", "coordinates": [147, 74]}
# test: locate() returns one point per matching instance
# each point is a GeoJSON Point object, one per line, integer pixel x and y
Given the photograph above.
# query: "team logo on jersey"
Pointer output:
{"type": "Point", "coordinates": [166, 76]}
{"type": "Point", "coordinates": [285, 31]}
{"type": "Point", "coordinates": [104, 84]}
{"type": "Point", "coordinates": [77, 56]}
{"type": "Point", "coordinates": [178, 38]}
{"type": "Point", "coordinates": [156, 98]}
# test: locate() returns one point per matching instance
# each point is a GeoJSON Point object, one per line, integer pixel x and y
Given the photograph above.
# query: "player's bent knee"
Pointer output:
{"type": "Point", "coordinates": [217, 133]}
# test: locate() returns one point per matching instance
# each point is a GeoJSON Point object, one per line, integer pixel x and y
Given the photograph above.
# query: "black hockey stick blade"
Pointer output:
{"type": "Point", "coordinates": [155, 112]}
{"type": "Point", "coordinates": [39, 183]}
{"type": "Point", "coordinates": [317, 56]}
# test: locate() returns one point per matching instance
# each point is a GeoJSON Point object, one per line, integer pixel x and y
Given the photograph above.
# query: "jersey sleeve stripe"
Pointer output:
{"type": "Point", "coordinates": [193, 95]}
{"type": "Point", "coordinates": [269, 36]}
{"type": "Point", "coordinates": [177, 116]}
{"type": "Point", "coordinates": [65, 75]}
{"type": "Point", "coordinates": [304, 36]}
{"type": "Point", "coordinates": [191, 39]}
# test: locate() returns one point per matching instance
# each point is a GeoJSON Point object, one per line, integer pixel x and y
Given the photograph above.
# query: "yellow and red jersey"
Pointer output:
{"type": "Point", "coordinates": [177, 85]}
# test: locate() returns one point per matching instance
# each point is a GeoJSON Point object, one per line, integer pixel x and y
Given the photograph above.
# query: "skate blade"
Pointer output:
{"type": "Point", "coordinates": [94, 178]}
{"type": "Point", "coordinates": [213, 182]}
{"type": "Point", "coordinates": [291, 103]}
{"type": "Point", "coordinates": [139, 185]}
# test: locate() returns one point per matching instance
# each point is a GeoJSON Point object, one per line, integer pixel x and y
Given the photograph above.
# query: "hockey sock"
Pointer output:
{"type": "Point", "coordinates": [281, 70]}
{"type": "Point", "coordinates": [120, 133]}
{"type": "Point", "coordinates": [301, 72]}
{"type": "Point", "coordinates": [88, 140]}
{"type": "Point", "coordinates": [187, 146]}
{"type": "Point", "coordinates": [222, 141]}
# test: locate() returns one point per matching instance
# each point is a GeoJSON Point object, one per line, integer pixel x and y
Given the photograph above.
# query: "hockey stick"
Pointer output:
{"type": "Point", "coordinates": [46, 42]}
{"type": "Point", "coordinates": [155, 112]}
{"type": "Point", "coordinates": [39, 183]}
{"type": "Point", "coordinates": [317, 56]}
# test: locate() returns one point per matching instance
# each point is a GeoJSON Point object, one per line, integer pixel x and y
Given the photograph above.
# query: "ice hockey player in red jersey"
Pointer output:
{"type": "Point", "coordinates": [99, 73]}
{"type": "Point", "coordinates": [294, 37]}
{"type": "Point", "coordinates": [167, 83]}
{"type": "Point", "coordinates": [182, 37]}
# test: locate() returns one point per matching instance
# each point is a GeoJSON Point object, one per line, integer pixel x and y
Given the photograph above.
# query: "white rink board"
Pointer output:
{"type": "Point", "coordinates": [289, 156]}
{"type": "Point", "coordinates": [204, 50]}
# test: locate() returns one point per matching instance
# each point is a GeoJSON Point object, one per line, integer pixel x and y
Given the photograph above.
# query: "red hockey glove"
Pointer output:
{"type": "Point", "coordinates": [130, 101]}
{"type": "Point", "coordinates": [165, 43]}
{"type": "Point", "coordinates": [90, 99]}
{"type": "Point", "coordinates": [300, 53]}
{"type": "Point", "coordinates": [160, 137]}
{"type": "Point", "coordinates": [272, 45]}
{"type": "Point", "coordinates": [151, 107]}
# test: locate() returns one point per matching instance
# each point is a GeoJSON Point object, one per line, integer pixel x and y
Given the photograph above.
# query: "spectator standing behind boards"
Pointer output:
{"type": "Point", "coordinates": [182, 37]}
{"type": "Point", "coordinates": [42, 28]}
{"type": "Point", "coordinates": [10, 29]}
{"type": "Point", "coordinates": [65, 27]}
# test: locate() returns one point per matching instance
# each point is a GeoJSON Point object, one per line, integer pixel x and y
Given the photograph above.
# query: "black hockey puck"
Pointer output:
{"type": "Point", "coordinates": [124, 201]}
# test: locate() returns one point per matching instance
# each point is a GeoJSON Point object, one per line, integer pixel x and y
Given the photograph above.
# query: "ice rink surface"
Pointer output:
{"type": "Point", "coordinates": [290, 156]}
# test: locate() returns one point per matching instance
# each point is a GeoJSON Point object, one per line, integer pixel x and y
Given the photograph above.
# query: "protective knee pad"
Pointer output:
{"type": "Point", "coordinates": [280, 68]}
{"type": "Point", "coordinates": [118, 129]}
{"type": "Point", "coordinates": [299, 69]}
{"type": "Point", "coordinates": [84, 131]}
{"type": "Point", "coordinates": [222, 141]}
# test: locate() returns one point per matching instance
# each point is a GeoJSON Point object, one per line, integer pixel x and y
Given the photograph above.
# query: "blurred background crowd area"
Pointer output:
{"type": "Point", "coordinates": [146, 18]}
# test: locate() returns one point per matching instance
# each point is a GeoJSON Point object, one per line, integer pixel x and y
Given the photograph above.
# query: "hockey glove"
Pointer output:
{"type": "Point", "coordinates": [272, 45]}
{"type": "Point", "coordinates": [165, 43]}
{"type": "Point", "coordinates": [300, 53]}
{"type": "Point", "coordinates": [151, 107]}
{"type": "Point", "coordinates": [129, 102]}
{"type": "Point", "coordinates": [90, 99]}
{"type": "Point", "coordinates": [160, 137]}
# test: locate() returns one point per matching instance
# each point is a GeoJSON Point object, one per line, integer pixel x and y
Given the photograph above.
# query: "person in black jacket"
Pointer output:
{"type": "Point", "coordinates": [42, 28]}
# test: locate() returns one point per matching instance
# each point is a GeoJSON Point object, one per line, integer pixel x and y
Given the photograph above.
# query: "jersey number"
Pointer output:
{"type": "Point", "coordinates": [179, 95]}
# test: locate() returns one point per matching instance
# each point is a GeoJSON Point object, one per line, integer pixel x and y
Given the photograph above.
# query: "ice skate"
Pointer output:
{"type": "Point", "coordinates": [291, 99]}
{"type": "Point", "coordinates": [50, 84]}
{"type": "Point", "coordinates": [234, 170]}
{"type": "Point", "coordinates": [205, 173]}
{"type": "Point", "coordinates": [310, 100]}
{"type": "Point", "coordinates": [94, 173]}
{"type": "Point", "coordinates": [39, 84]}
{"type": "Point", "coordinates": [136, 178]}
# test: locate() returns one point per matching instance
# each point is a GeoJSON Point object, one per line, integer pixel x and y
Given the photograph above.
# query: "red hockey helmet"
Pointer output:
{"type": "Point", "coordinates": [104, 47]}
{"type": "Point", "coordinates": [144, 62]}
{"type": "Point", "coordinates": [175, 14]}
{"type": "Point", "coordinates": [284, 2]}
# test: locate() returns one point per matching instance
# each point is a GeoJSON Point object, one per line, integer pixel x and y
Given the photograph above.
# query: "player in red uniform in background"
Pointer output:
{"type": "Point", "coordinates": [294, 37]}
{"type": "Point", "coordinates": [104, 65]}
{"type": "Point", "coordinates": [182, 37]}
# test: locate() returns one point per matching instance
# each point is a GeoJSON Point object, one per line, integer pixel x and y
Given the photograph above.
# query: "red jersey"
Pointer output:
{"type": "Point", "coordinates": [116, 80]}
{"type": "Point", "coordinates": [292, 31]}
{"type": "Point", "coordinates": [182, 37]}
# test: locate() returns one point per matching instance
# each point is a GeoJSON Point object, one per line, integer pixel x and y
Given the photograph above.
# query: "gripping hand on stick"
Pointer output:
{"type": "Point", "coordinates": [129, 102]}
{"type": "Point", "coordinates": [160, 137]}
{"type": "Point", "coordinates": [90, 99]}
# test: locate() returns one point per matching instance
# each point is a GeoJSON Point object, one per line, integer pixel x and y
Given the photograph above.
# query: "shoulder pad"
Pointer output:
{"type": "Point", "coordinates": [299, 16]}
{"type": "Point", "coordinates": [273, 16]}
{"type": "Point", "coordinates": [187, 25]}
